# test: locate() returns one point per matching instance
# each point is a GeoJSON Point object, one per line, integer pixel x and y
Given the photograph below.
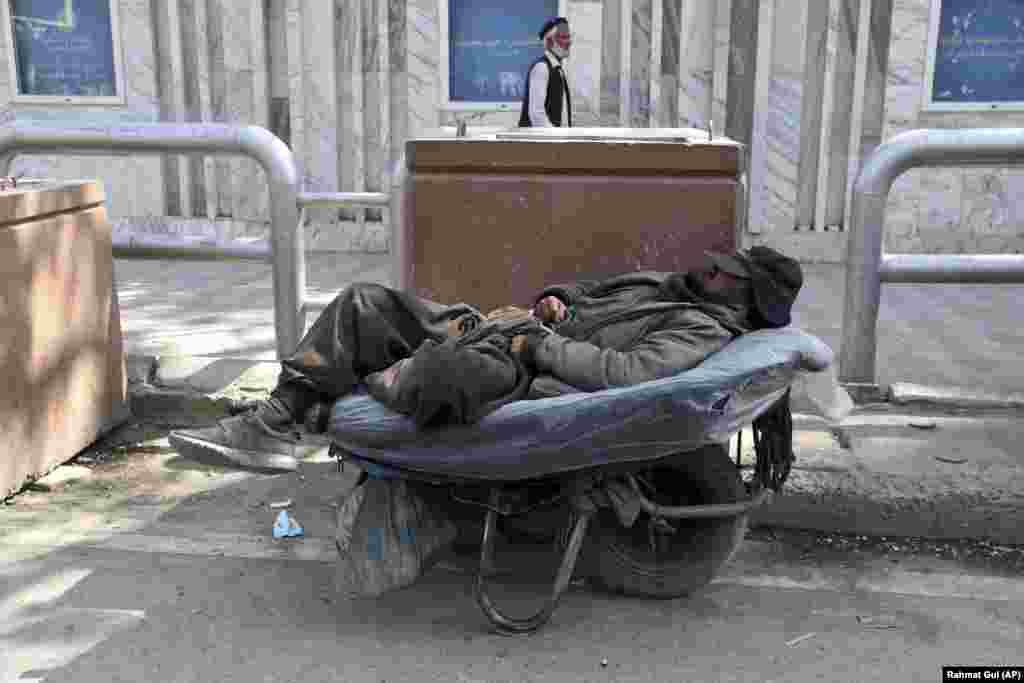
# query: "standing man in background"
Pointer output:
{"type": "Point", "coordinates": [546, 102]}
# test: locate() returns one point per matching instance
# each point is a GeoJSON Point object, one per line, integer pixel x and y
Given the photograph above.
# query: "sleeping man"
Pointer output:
{"type": "Point", "coordinates": [450, 364]}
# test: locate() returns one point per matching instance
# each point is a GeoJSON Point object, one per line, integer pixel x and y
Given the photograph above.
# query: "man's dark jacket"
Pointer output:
{"type": "Point", "coordinates": [622, 331]}
{"type": "Point", "coordinates": [633, 328]}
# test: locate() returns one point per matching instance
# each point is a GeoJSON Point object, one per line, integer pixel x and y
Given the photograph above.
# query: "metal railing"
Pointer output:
{"type": "Point", "coordinates": [868, 267]}
{"type": "Point", "coordinates": [287, 203]}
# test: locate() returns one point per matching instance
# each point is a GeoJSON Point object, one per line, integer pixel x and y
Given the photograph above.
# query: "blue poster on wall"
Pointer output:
{"type": "Point", "coordinates": [491, 44]}
{"type": "Point", "coordinates": [979, 55]}
{"type": "Point", "coordinates": [64, 48]}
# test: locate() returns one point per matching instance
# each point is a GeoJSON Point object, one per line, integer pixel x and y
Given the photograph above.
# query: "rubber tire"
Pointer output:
{"type": "Point", "coordinates": [620, 560]}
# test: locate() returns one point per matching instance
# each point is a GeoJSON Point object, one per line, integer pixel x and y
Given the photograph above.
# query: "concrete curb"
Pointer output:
{"type": "Point", "coordinates": [904, 393]}
{"type": "Point", "coordinates": [903, 473]}
{"type": "Point", "coordinates": [192, 391]}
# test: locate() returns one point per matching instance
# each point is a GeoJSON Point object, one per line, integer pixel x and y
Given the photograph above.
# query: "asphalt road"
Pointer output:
{"type": "Point", "coordinates": [110, 616]}
{"type": "Point", "coordinates": [154, 569]}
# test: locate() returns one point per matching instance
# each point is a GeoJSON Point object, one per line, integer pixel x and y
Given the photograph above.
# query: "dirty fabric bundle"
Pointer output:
{"type": "Point", "coordinates": [386, 534]}
{"type": "Point", "coordinates": [469, 375]}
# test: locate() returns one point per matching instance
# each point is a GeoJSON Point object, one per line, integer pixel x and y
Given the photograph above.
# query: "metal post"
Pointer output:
{"type": "Point", "coordinates": [953, 268]}
{"type": "Point", "coordinates": [400, 279]}
{"type": "Point", "coordinates": [289, 267]}
{"type": "Point", "coordinates": [863, 286]}
{"type": "Point", "coordinates": [866, 266]}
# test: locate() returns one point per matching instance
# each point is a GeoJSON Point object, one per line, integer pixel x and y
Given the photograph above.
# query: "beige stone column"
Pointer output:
{"type": "Point", "coordinates": [742, 70]}
{"type": "Point", "coordinates": [843, 83]}
{"type": "Point", "coordinates": [761, 172]}
{"type": "Point", "coordinates": [171, 94]}
{"type": "Point", "coordinates": [611, 62]}
{"type": "Point", "coordinates": [586, 18]}
{"type": "Point", "coordinates": [423, 66]}
{"type": "Point", "coordinates": [880, 34]}
{"type": "Point", "coordinates": [640, 64]}
{"type": "Point", "coordinates": [244, 102]}
{"type": "Point", "coordinates": [277, 65]}
{"type": "Point", "coordinates": [398, 80]}
{"type": "Point", "coordinates": [815, 44]}
{"type": "Point", "coordinates": [376, 98]}
{"type": "Point", "coordinates": [723, 12]}
{"type": "Point", "coordinates": [782, 126]}
{"type": "Point", "coordinates": [696, 46]}
{"type": "Point", "coordinates": [349, 53]}
{"type": "Point", "coordinates": [191, 15]}
{"type": "Point", "coordinates": [665, 84]}
{"type": "Point", "coordinates": [398, 105]}
{"type": "Point", "coordinates": [218, 70]}
{"type": "Point", "coordinates": [313, 42]}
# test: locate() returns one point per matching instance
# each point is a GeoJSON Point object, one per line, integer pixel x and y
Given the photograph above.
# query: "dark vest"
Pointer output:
{"type": "Point", "coordinates": [553, 98]}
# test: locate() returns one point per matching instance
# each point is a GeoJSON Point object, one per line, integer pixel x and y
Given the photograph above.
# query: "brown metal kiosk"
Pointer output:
{"type": "Point", "coordinates": [489, 221]}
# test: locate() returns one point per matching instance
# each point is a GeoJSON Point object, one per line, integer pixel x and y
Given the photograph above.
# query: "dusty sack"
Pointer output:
{"type": "Point", "coordinates": [386, 532]}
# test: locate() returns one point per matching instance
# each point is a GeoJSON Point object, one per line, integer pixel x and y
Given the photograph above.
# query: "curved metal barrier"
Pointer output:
{"type": "Point", "coordinates": [868, 267]}
{"type": "Point", "coordinates": [287, 202]}
{"type": "Point", "coordinates": [257, 143]}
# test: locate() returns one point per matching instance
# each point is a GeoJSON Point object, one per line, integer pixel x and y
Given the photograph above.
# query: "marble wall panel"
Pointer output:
{"type": "Point", "coordinates": [376, 117]}
{"type": "Point", "coordinates": [611, 62]}
{"type": "Point", "coordinates": [666, 103]}
{"type": "Point", "coordinates": [986, 210]}
{"type": "Point", "coordinates": [697, 57]}
{"type": "Point", "coordinates": [204, 74]}
{"type": "Point", "coordinates": [214, 44]}
{"type": "Point", "coordinates": [940, 204]}
{"type": "Point", "coordinates": [423, 66]}
{"type": "Point", "coordinates": [1014, 233]}
{"type": "Point", "coordinates": [806, 246]}
{"type": "Point", "coordinates": [721, 65]}
{"type": "Point", "coordinates": [321, 97]}
{"type": "Point", "coordinates": [640, 65]}
{"type": "Point", "coordinates": [349, 43]}
{"type": "Point", "coordinates": [584, 64]}
{"type": "Point", "coordinates": [760, 176]}
{"type": "Point", "coordinates": [243, 38]}
{"type": "Point", "coordinates": [296, 92]}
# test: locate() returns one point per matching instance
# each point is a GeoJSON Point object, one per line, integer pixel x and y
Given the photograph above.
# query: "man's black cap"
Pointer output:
{"type": "Point", "coordinates": [550, 24]}
{"type": "Point", "coordinates": [775, 280]}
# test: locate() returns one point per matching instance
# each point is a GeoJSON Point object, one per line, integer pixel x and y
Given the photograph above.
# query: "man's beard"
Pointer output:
{"type": "Point", "coordinates": [560, 52]}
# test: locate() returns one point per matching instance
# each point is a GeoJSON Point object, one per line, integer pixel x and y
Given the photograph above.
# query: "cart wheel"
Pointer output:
{"type": "Point", "coordinates": [647, 561]}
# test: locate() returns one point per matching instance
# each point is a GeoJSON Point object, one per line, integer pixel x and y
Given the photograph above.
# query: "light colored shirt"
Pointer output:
{"type": "Point", "coordinates": [539, 91]}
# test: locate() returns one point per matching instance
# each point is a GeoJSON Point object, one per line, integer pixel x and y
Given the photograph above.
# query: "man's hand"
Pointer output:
{"type": "Point", "coordinates": [550, 309]}
{"type": "Point", "coordinates": [519, 346]}
{"type": "Point", "coordinates": [523, 347]}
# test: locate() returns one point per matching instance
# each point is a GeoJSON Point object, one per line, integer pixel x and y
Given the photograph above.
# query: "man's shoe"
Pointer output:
{"type": "Point", "coordinates": [245, 441]}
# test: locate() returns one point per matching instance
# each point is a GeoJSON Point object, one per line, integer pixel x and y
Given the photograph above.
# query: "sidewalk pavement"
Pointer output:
{"type": "Point", "coordinates": [940, 459]}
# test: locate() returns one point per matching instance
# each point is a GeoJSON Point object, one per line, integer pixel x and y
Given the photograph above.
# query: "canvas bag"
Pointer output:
{"type": "Point", "coordinates": [386, 533]}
